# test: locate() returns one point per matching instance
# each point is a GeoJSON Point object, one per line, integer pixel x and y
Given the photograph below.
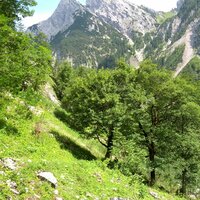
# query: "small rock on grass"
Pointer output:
{"type": "Point", "coordinates": [48, 176]}
{"type": "Point", "coordinates": [13, 186]}
{"type": "Point", "coordinates": [58, 198]}
{"type": "Point", "coordinates": [9, 163]}
{"type": "Point", "coordinates": [56, 192]}
{"type": "Point", "coordinates": [2, 173]}
{"type": "Point", "coordinates": [154, 194]}
{"type": "Point", "coordinates": [192, 196]}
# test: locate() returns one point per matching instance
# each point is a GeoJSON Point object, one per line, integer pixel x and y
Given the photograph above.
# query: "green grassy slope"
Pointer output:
{"type": "Point", "coordinates": [32, 135]}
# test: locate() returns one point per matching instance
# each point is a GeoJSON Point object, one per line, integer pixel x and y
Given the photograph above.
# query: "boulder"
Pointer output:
{"type": "Point", "coordinates": [9, 163]}
{"type": "Point", "coordinates": [48, 176]}
{"type": "Point", "coordinates": [154, 194]}
{"type": "Point", "coordinates": [192, 196]}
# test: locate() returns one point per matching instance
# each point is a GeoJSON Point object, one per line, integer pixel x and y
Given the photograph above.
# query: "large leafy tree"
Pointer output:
{"type": "Point", "coordinates": [95, 101]}
{"type": "Point", "coordinates": [16, 9]}
{"type": "Point", "coordinates": [24, 62]}
{"type": "Point", "coordinates": [164, 121]}
{"type": "Point", "coordinates": [94, 107]}
{"type": "Point", "coordinates": [186, 126]}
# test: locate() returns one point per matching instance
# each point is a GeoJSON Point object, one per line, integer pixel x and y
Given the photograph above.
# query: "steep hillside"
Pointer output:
{"type": "Point", "coordinates": [91, 42]}
{"type": "Point", "coordinates": [33, 140]}
{"type": "Point", "coordinates": [176, 40]}
{"type": "Point", "coordinates": [131, 128]}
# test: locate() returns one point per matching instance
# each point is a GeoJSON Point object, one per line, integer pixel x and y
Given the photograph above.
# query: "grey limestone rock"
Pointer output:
{"type": "Point", "coordinates": [62, 18]}
{"type": "Point", "coordinates": [9, 163]}
{"type": "Point", "coordinates": [154, 194]}
{"type": "Point", "coordinates": [48, 176]}
{"type": "Point", "coordinates": [123, 15]}
{"type": "Point", "coordinates": [13, 186]}
{"type": "Point", "coordinates": [58, 198]}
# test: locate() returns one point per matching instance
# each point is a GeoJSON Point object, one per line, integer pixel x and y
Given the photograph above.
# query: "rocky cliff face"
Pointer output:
{"type": "Point", "coordinates": [176, 42]}
{"type": "Point", "coordinates": [125, 16]}
{"type": "Point", "coordinates": [62, 18]}
{"type": "Point", "coordinates": [82, 37]}
{"type": "Point", "coordinates": [91, 42]}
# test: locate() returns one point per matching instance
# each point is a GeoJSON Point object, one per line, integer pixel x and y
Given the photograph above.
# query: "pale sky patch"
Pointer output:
{"type": "Point", "coordinates": [36, 18]}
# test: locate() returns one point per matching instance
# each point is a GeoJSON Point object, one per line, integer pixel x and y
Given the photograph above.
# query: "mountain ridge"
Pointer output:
{"type": "Point", "coordinates": [61, 19]}
{"type": "Point", "coordinates": [96, 41]}
{"type": "Point", "coordinates": [123, 15]}
{"type": "Point", "coordinates": [139, 25]}
{"type": "Point", "coordinates": [181, 29]}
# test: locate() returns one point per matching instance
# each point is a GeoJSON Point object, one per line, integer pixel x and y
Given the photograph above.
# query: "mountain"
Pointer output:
{"type": "Point", "coordinates": [123, 15]}
{"type": "Point", "coordinates": [61, 19]}
{"type": "Point", "coordinates": [90, 41]}
{"type": "Point", "coordinates": [135, 22]}
{"type": "Point", "coordinates": [102, 31]}
{"type": "Point", "coordinates": [87, 36]}
{"type": "Point", "coordinates": [176, 42]}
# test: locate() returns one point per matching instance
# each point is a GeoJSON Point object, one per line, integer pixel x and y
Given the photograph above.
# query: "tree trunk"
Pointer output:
{"type": "Point", "coordinates": [109, 145]}
{"type": "Point", "coordinates": [183, 189]}
{"type": "Point", "coordinates": [151, 150]}
{"type": "Point", "coordinates": [152, 153]}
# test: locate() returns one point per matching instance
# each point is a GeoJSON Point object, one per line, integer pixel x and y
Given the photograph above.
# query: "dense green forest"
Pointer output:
{"type": "Point", "coordinates": [147, 122]}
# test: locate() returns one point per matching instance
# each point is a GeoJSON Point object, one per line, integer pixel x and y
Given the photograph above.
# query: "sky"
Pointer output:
{"type": "Point", "coordinates": [44, 9]}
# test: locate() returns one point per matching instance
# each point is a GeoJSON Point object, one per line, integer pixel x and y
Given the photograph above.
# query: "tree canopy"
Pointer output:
{"type": "Point", "coordinates": [143, 114]}
{"type": "Point", "coordinates": [16, 9]}
{"type": "Point", "coordinates": [24, 62]}
{"type": "Point", "coordinates": [25, 59]}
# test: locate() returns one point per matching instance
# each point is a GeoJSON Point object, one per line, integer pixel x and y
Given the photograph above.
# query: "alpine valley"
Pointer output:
{"type": "Point", "coordinates": [102, 31]}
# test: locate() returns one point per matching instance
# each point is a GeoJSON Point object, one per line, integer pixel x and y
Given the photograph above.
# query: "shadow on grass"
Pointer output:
{"type": "Point", "coordinates": [64, 117]}
{"type": "Point", "coordinates": [76, 150]}
{"type": "Point", "coordinates": [8, 128]}
{"type": "Point", "coordinates": [61, 115]}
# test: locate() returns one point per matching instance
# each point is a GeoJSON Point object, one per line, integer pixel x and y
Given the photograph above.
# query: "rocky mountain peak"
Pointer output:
{"type": "Point", "coordinates": [62, 18]}
{"type": "Point", "coordinates": [125, 16]}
